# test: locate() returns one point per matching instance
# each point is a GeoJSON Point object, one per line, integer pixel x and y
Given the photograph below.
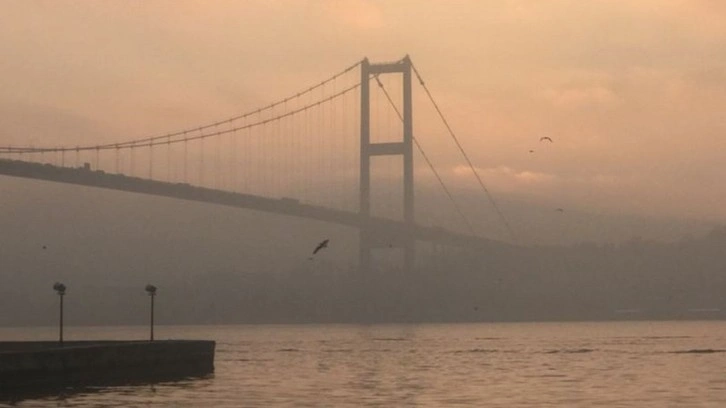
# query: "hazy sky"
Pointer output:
{"type": "Point", "coordinates": [632, 92]}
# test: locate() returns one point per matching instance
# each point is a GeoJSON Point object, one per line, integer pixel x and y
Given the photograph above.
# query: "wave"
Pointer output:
{"type": "Point", "coordinates": [666, 337]}
{"type": "Point", "coordinates": [245, 360]}
{"type": "Point", "coordinates": [390, 339]}
{"type": "Point", "coordinates": [570, 351]}
{"type": "Point", "coordinates": [698, 351]}
{"type": "Point", "coordinates": [475, 350]}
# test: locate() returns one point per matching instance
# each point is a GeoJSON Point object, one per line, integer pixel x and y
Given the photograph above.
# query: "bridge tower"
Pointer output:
{"type": "Point", "coordinates": [370, 238]}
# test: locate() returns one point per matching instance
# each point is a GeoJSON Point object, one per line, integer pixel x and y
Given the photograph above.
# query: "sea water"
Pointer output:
{"type": "Point", "coordinates": [609, 364]}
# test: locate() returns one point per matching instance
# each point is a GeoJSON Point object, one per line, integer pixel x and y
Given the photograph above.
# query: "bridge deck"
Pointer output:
{"type": "Point", "coordinates": [284, 206]}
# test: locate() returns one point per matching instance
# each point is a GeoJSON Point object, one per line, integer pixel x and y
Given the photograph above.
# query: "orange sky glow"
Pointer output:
{"type": "Point", "coordinates": [631, 92]}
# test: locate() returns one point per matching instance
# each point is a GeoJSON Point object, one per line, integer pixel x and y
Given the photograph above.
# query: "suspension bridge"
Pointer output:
{"type": "Point", "coordinates": [314, 154]}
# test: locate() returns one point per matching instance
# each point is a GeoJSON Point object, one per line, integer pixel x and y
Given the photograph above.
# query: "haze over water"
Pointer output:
{"type": "Point", "coordinates": [614, 364]}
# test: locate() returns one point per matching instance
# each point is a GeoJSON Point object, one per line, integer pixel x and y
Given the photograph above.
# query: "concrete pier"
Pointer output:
{"type": "Point", "coordinates": [33, 366]}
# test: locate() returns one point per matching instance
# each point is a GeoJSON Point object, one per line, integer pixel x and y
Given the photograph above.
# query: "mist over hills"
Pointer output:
{"type": "Point", "coordinates": [214, 264]}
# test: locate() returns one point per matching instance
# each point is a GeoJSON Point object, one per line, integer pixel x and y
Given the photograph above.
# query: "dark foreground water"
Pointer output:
{"type": "Point", "coordinates": [626, 364]}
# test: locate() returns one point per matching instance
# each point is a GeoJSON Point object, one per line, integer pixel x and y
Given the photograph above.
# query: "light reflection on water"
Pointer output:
{"type": "Point", "coordinates": [626, 364]}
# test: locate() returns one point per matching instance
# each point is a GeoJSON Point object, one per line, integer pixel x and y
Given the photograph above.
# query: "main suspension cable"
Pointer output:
{"type": "Point", "coordinates": [428, 161]}
{"type": "Point", "coordinates": [167, 136]}
{"type": "Point", "coordinates": [466, 156]}
{"type": "Point", "coordinates": [201, 136]}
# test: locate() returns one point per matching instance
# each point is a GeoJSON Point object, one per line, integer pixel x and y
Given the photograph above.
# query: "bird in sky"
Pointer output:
{"type": "Point", "coordinates": [547, 138]}
{"type": "Point", "coordinates": [321, 245]}
{"type": "Point", "coordinates": [45, 247]}
{"type": "Point", "coordinates": [531, 151]}
{"type": "Point", "coordinates": [559, 210]}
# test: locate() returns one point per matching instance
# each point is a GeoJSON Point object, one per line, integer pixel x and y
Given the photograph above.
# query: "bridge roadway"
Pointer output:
{"type": "Point", "coordinates": [388, 231]}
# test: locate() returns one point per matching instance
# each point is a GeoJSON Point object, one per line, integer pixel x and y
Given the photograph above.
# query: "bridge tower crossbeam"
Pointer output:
{"type": "Point", "coordinates": [368, 239]}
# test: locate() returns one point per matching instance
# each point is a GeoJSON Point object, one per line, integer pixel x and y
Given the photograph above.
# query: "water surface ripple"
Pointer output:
{"type": "Point", "coordinates": [625, 364]}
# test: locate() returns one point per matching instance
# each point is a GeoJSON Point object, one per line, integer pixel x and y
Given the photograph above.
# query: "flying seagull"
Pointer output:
{"type": "Point", "coordinates": [543, 138]}
{"type": "Point", "coordinates": [323, 244]}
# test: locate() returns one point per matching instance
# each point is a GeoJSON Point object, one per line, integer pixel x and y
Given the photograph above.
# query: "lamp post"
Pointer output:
{"type": "Point", "coordinates": [151, 290]}
{"type": "Point", "coordinates": [61, 290]}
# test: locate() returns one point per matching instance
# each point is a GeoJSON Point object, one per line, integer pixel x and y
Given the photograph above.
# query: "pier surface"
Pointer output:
{"type": "Point", "coordinates": [36, 365]}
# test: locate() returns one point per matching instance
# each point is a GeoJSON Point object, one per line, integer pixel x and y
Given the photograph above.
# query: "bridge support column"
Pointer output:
{"type": "Point", "coordinates": [406, 239]}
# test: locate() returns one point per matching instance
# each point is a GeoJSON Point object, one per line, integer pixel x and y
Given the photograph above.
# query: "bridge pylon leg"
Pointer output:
{"type": "Point", "coordinates": [403, 148]}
